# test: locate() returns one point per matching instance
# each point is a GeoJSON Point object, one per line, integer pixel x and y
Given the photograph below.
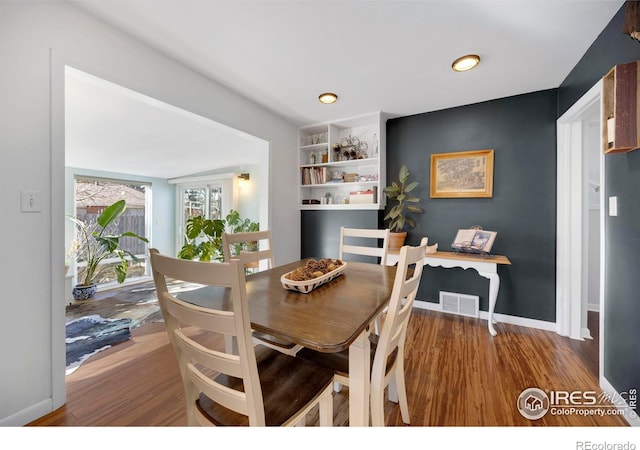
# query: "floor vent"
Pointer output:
{"type": "Point", "coordinates": [461, 304]}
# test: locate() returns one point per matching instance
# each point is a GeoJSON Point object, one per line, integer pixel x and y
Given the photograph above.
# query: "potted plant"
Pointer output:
{"type": "Point", "coordinates": [204, 239]}
{"type": "Point", "coordinates": [399, 216]}
{"type": "Point", "coordinates": [94, 244]}
{"type": "Point", "coordinates": [236, 224]}
{"type": "Point", "coordinates": [205, 236]}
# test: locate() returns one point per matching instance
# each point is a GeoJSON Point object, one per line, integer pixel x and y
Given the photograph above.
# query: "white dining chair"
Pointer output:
{"type": "Point", "coordinates": [387, 349]}
{"type": "Point", "coordinates": [257, 386]}
{"type": "Point", "coordinates": [364, 242]}
{"type": "Point", "coordinates": [234, 245]}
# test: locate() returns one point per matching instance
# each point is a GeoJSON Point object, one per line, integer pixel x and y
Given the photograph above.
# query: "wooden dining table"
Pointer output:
{"type": "Point", "coordinates": [333, 317]}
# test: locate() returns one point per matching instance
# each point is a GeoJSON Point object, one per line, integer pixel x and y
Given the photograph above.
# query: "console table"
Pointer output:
{"type": "Point", "coordinates": [485, 265]}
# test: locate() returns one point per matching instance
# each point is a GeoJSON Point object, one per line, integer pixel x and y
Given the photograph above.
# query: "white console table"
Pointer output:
{"type": "Point", "coordinates": [486, 266]}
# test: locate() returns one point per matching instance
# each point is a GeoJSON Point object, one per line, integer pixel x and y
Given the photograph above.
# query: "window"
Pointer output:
{"type": "Point", "coordinates": [210, 197]}
{"type": "Point", "coordinates": [92, 196]}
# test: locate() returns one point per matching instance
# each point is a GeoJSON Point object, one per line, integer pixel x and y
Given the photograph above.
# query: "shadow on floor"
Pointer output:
{"type": "Point", "coordinates": [137, 302]}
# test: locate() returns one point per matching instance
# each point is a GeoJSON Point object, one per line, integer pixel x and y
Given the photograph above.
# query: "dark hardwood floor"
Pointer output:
{"type": "Point", "coordinates": [456, 373]}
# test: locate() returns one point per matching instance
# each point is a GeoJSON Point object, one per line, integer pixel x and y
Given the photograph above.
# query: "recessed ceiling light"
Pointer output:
{"type": "Point", "coordinates": [466, 62]}
{"type": "Point", "coordinates": [328, 97]}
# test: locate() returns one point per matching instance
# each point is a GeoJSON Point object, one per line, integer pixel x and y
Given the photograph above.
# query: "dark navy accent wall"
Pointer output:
{"type": "Point", "coordinates": [321, 230]}
{"type": "Point", "coordinates": [521, 130]}
{"type": "Point", "coordinates": [622, 233]}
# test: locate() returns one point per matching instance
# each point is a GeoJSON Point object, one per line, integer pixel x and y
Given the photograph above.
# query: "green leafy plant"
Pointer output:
{"type": "Point", "coordinates": [205, 236]}
{"type": "Point", "coordinates": [399, 215]}
{"type": "Point", "coordinates": [236, 224]}
{"type": "Point", "coordinates": [204, 239]}
{"type": "Point", "coordinates": [93, 243]}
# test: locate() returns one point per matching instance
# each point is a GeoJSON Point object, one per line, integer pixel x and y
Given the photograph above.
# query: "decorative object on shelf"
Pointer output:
{"type": "Point", "coordinates": [462, 174]}
{"type": "Point", "coordinates": [94, 244]}
{"type": "Point", "coordinates": [621, 108]}
{"type": "Point", "coordinates": [362, 197]}
{"type": "Point", "coordinates": [353, 148]}
{"type": "Point", "coordinates": [337, 153]}
{"type": "Point", "coordinates": [349, 177]}
{"type": "Point", "coordinates": [631, 24]}
{"type": "Point", "coordinates": [474, 240]}
{"type": "Point", "coordinates": [399, 215]}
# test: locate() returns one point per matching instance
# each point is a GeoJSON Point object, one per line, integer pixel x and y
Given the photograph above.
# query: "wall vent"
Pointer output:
{"type": "Point", "coordinates": [461, 304]}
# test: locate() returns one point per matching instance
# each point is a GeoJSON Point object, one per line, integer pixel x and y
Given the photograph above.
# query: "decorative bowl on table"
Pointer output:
{"type": "Point", "coordinates": [313, 274]}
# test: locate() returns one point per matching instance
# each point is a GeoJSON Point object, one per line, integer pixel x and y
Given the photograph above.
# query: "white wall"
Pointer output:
{"type": "Point", "coordinates": [36, 40]}
{"type": "Point", "coordinates": [591, 214]}
{"type": "Point", "coordinates": [249, 195]}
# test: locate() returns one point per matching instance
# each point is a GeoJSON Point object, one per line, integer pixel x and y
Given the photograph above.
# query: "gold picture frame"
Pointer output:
{"type": "Point", "coordinates": [462, 174]}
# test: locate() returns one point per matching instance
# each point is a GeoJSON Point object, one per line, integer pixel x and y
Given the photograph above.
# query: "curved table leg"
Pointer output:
{"type": "Point", "coordinates": [494, 286]}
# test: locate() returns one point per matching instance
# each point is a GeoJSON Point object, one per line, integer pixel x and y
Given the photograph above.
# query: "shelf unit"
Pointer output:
{"type": "Point", "coordinates": [620, 108]}
{"type": "Point", "coordinates": [341, 157]}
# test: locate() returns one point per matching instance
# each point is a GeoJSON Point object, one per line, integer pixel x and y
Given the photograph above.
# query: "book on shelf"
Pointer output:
{"type": "Point", "coordinates": [314, 175]}
{"type": "Point", "coordinates": [474, 241]}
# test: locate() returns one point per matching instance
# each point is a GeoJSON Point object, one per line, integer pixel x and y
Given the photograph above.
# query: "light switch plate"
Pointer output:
{"type": "Point", "coordinates": [613, 206]}
{"type": "Point", "coordinates": [30, 201]}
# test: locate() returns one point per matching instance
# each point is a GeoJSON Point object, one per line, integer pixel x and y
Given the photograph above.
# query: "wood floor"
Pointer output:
{"type": "Point", "coordinates": [456, 373]}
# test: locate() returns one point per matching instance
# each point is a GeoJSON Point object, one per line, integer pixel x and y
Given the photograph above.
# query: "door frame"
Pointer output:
{"type": "Point", "coordinates": [569, 237]}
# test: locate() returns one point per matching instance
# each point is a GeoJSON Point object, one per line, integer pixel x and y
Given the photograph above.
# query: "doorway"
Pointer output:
{"type": "Point", "coordinates": [580, 224]}
{"type": "Point", "coordinates": [203, 146]}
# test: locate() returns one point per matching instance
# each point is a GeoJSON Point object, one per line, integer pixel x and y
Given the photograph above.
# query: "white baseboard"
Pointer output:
{"type": "Point", "coordinates": [28, 415]}
{"type": "Point", "coordinates": [630, 415]}
{"type": "Point", "coordinates": [513, 320]}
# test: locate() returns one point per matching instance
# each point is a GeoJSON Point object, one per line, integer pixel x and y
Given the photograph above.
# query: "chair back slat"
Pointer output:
{"type": "Point", "coordinates": [262, 238]}
{"type": "Point", "coordinates": [223, 395]}
{"type": "Point", "coordinates": [372, 247]}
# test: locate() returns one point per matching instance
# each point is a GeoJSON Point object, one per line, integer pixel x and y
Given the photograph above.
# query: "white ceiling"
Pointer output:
{"type": "Point", "coordinates": [391, 56]}
{"type": "Point", "coordinates": [111, 128]}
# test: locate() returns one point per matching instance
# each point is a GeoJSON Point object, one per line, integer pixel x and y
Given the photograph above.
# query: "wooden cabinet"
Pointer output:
{"type": "Point", "coordinates": [342, 164]}
{"type": "Point", "coordinates": [620, 113]}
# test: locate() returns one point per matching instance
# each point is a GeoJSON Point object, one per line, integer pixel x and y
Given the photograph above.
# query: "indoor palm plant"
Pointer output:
{"type": "Point", "coordinates": [399, 216]}
{"type": "Point", "coordinates": [94, 244]}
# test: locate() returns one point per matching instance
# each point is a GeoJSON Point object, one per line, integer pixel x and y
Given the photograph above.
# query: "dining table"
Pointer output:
{"type": "Point", "coordinates": [332, 317]}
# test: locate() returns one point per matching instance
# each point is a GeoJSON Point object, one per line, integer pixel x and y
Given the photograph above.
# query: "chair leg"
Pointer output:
{"type": "Point", "coordinates": [400, 390]}
{"type": "Point", "coordinates": [325, 408]}
{"type": "Point", "coordinates": [377, 407]}
{"type": "Point", "coordinates": [393, 389]}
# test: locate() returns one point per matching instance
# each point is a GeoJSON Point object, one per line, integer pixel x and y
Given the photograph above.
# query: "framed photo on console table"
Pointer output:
{"type": "Point", "coordinates": [462, 174]}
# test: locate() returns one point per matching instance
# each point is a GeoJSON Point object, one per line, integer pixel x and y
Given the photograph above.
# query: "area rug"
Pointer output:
{"type": "Point", "coordinates": [88, 335]}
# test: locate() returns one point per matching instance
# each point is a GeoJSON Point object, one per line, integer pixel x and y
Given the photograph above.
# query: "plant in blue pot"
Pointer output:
{"type": "Point", "coordinates": [96, 242]}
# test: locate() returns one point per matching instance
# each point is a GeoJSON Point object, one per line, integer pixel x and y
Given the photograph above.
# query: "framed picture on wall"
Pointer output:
{"type": "Point", "coordinates": [462, 174]}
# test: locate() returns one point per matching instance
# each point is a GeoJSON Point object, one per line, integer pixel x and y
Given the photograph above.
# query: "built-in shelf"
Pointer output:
{"type": "Point", "coordinates": [620, 113]}
{"type": "Point", "coordinates": [339, 158]}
